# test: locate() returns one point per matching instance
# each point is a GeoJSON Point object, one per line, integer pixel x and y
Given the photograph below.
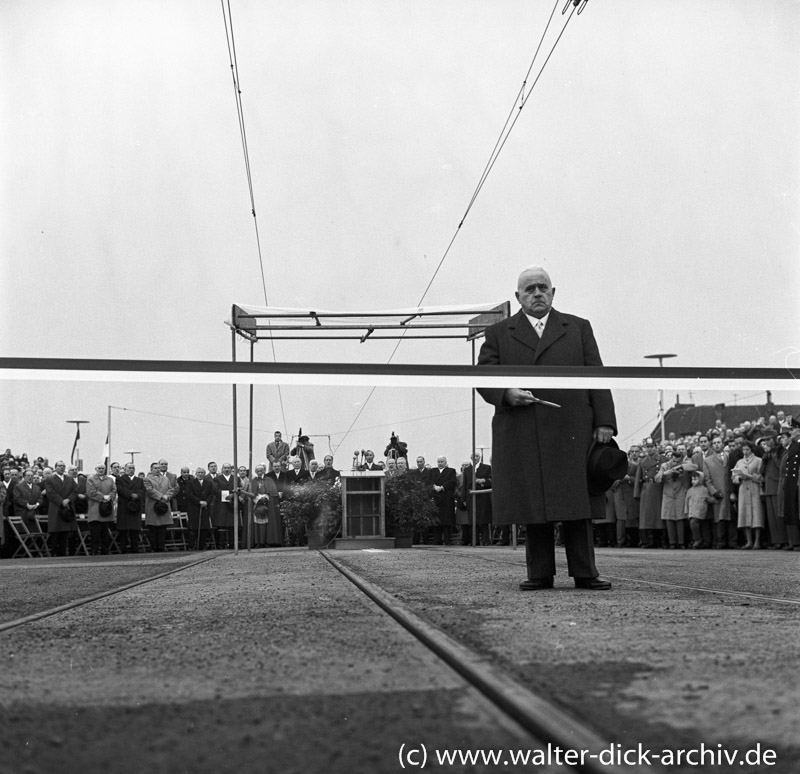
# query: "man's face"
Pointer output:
{"type": "Point", "coordinates": [185, 472]}
{"type": "Point", "coordinates": [681, 450]}
{"type": "Point", "coordinates": [420, 463]}
{"type": "Point", "coordinates": [212, 468]}
{"type": "Point", "coordinates": [535, 293]}
{"type": "Point", "coordinates": [391, 465]}
{"type": "Point", "coordinates": [313, 466]}
{"type": "Point", "coordinates": [441, 462]}
{"type": "Point", "coordinates": [100, 470]}
{"type": "Point", "coordinates": [716, 445]}
{"type": "Point", "coordinates": [278, 437]}
{"type": "Point", "coordinates": [402, 464]}
{"type": "Point", "coordinates": [130, 470]}
{"type": "Point", "coordinates": [163, 466]}
{"type": "Point", "coordinates": [328, 461]}
{"type": "Point", "coordinates": [476, 459]}
{"type": "Point", "coordinates": [370, 455]}
{"type": "Point", "coordinates": [199, 473]}
{"type": "Point", "coordinates": [260, 470]}
{"type": "Point", "coordinates": [115, 468]}
{"type": "Point", "coordinates": [650, 449]}
{"type": "Point", "coordinates": [633, 454]}
{"type": "Point", "coordinates": [226, 469]}
{"type": "Point", "coordinates": [28, 475]}
{"type": "Point", "coordinates": [296, 464]}
{"type": "Point", "coordinates": [704, 442]}
{"type": "Point", "coordinates": [72, 472]}
{"type": "Point", "coordinates": [61, 467]}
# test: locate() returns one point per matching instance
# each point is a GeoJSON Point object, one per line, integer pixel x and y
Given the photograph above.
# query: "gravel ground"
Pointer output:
{"type": "Point", "coordinates": [669, 668]}
{"type": "Point", "coordinates": [267, 662]}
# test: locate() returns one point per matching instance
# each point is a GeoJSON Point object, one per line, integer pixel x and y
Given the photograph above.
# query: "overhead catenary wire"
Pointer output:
{"type": "Point", "coordinates": [234, 64]}
{"type": "Point", "coordinates": [520, 100]}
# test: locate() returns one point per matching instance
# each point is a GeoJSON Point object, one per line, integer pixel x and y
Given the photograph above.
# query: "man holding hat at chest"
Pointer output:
{"type": "Point", "coordinates": [551, 463]}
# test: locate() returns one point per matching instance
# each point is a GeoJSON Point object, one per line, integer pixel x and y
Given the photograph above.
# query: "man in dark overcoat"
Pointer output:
{"type": "Point", "coordinates": [60, 491]}
{"type": "Point", "coordinates": [200, 494]}
{"type": "Point", "coordinates": [539, 470]}
{"type": "Point", "coordinates": [443, 481]}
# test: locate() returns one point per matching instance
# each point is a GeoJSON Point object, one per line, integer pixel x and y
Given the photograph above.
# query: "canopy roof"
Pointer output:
{"type": "Point", "coordinates": [462, 321]}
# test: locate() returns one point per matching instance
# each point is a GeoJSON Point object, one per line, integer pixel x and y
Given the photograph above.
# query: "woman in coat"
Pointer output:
{"type": "Point", "coordinates": [747, 474]}
{"type": "Point", "coordinates": [101, 494]}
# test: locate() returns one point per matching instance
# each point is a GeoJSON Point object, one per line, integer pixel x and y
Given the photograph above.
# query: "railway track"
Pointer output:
{"type": "Point", "coordinates": [541, 722]}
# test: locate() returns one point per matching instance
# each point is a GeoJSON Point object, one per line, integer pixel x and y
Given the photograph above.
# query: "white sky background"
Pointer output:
{"type": "Point", "coordinates": [654, 171]}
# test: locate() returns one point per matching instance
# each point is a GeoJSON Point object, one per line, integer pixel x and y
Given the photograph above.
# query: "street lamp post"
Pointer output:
{"type": "Point", "coordinates": [76, 454]}
{"type": "Point", "coordinates": [661, 358]}
{"type": "Point", "coordinates": [132, 453]}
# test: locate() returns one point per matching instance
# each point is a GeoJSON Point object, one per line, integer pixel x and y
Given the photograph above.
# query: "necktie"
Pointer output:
{"type": "Point", "coordinates": [539, 327]}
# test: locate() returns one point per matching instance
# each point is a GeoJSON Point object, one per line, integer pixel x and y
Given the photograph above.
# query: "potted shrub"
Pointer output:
{"type": "Point", "coordinates": [314, 512]}
{"type": "Point", "coordinates": [409, 509]}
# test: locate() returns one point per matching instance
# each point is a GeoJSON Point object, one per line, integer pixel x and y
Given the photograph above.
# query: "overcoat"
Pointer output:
{"type": "Point", "coordinates": [539, 452]}
{"type": "Point", "coordinates": [483, 502]}
{"type": "Point", "coordinates": [648, 491]}
{"type": "Point", "coordinates": [97, 487]}
{"type": "Point", "coordinates": [714, 469]}
{"type": "Point", "coordinates": [225, 496]}
{"type": "Point", "coordinates": [199, 490]}
{"type": "Point", "coordinates": [58, 490]}
{"type": "Point", "coordinates": [158, 487]}
{"type": "Point", "coordinates": [787, 488]}
{"type": "Point", "coordinates": [25, 495]}
{"type": "Point", "coordinates": [751, 510]}
{"type": "Point", "coordinates": [126, 488]}
{"type": "Point", "coordinates": [446, 499]}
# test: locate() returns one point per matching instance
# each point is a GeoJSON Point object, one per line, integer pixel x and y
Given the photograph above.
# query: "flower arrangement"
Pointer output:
{"type": "Point", "coordinates": [312, 505]}
{"type": "Point", "coordinates": [409, 506]}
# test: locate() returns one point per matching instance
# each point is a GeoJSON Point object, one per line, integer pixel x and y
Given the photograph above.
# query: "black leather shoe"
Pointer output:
{"type": "Point", "coordinates": [536, 584]}
{"type": "Point", "coordinates": [592, 584]}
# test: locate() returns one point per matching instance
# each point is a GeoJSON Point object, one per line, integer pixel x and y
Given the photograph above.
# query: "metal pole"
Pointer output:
{"type": "Point", "coordinates": [235, 455]}
{"type": "Point", "coordinates": [108, 436]}
{"type": "Point", "coordinates": [250, 449]}
{"type": "Point", "coordinates": [474, 485]}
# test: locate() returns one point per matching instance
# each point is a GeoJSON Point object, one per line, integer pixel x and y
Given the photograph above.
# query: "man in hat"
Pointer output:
{"type": "Point", "coordinates": [788, 508]}
{"type": "Point", "coordinates": [540, 451]}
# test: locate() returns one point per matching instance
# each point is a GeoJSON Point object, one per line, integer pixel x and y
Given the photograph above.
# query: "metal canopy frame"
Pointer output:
{"type": "Point", "coordinates": [439, 322]}
{"type": "Point", "coordinates": [255, 324]}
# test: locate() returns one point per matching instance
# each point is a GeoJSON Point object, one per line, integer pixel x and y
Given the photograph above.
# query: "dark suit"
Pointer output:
{"type": "Point", "coordinates": [539, 452]}
{"type": "Point", "coordinates": [197, 491]}
{"type": "Point", "coordinates": [329, 474]}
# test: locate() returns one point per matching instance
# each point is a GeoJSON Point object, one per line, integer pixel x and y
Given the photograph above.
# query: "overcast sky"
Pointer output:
{"type": "Point", "coordinates": [654, 171]}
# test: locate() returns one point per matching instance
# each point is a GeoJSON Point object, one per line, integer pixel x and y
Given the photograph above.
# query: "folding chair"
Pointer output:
{"type": "Point", "coordinates": [176, 534]}
{"type": "Point", "coordinates": [82, 534]}
{"type": "Point", "coordinates": [30, 541]}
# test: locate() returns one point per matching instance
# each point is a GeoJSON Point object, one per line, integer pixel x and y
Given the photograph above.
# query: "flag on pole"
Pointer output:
{"type": "Point", "coordinates": [72, 459]}
{"type": "Point", "coordinates": [105, 452]}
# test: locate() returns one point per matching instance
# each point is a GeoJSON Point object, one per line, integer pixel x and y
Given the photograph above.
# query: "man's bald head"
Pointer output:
{"type": "Point", "coordinates": [535, 291]}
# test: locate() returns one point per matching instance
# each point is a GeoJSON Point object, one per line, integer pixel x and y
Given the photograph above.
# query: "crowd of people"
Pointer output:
{"type": "Point", "coordinates": [725, 488]}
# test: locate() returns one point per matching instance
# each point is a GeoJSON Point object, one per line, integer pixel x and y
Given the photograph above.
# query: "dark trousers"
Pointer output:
{"type": "Point", "coordinates": [158, 536]}
{"type": "Point", "coordinates": [540, 552]}
{"type": "Point", "coordinates": [101, 537]}
{"type": "Point", "coordinates": [727, 534]}
{"type": "Point", "coordinates": [482, 535]}
{"type": "Point", "coordinates": [128, 541]}
{"type": "Point", "coordinates": [58, 542]}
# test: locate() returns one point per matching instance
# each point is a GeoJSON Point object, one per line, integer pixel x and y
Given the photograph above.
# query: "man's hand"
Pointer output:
{"type": "Point", "coordinates": [603, 434]}
{"type": "Point", "coordinates": [517, 397]}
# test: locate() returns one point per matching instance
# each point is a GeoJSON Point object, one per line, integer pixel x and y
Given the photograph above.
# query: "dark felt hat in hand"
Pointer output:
{"type": "Point", "coordinates": [605, 464]}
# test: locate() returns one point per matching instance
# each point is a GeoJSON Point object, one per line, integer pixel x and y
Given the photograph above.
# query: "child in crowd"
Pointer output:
{"type": "Point", "coordinates": [698, 499]}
